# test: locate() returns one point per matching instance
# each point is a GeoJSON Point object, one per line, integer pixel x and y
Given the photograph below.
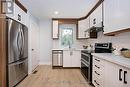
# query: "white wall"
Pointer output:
{"type": "Point", "coordinates": [119, 41]}
{"type": "Point", "coordinates": [45, 42]}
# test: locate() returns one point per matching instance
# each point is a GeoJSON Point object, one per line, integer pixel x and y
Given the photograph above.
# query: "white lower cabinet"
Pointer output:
{"type": "Point", "coordinates": [108, 74]}
{"type": "Point", "coordinates": [98, 72]}
{"type": "Point", "coordinates": [127, 77]}
{"type": "Point", "coordinates": [112, 75]}
{"type": "Point", "coordinates": [71, 58]}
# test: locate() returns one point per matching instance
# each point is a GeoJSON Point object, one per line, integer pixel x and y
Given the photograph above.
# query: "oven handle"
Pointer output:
{"type": "Point", "coordinates": [83, 60]}
{"type": "Point", "coordinates": [86, 54]}
{"type": "Point", "coordinates": [85, 63]}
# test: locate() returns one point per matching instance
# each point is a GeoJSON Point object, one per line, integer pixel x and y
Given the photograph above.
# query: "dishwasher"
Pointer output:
{"type": "Point", "coordinates": [57, 58]}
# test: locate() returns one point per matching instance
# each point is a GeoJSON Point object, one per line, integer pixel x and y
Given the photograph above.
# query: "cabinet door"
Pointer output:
{"type": "Point", "coordinates": [113, 75]}
{"type": "Point", "coordinates": [83, 25]}
{"type": "Point", "coordinates": [55, 29]}
{"type": "Point", "coordinates": [96, 17]}
{"type": "Point", "coordinates": [116, 15]}
{"type": "Point", "coordinates": [66, 59]}
{"type": "Point", "coordinates": [24, 18]}
{"type": "Point", "coordinates": [76, 58]}
{"type": "Point", "coordinates": [126, 77]}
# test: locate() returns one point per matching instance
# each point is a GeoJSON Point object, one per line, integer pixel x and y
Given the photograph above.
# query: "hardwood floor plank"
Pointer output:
{"type": "Point", "coordinates": [48, 77]}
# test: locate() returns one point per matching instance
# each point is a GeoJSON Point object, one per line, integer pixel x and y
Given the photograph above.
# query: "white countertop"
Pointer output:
{"type": "Point", "coordinates": [75, 49]}
{"type": "Point", "coordinates": [120, 60]}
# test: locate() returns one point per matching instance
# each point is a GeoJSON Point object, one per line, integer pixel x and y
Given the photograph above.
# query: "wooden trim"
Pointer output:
{"type": "Point", "coordinates": [98, 3]}
{"type": "Point", "coordinates": [3, 55]}
{"type": "Point", "coordinates": [21, 6]}
{"type": "Point", "coordinates": [68, 21]}
{"type": "Point", "coordinates": [117, 32]}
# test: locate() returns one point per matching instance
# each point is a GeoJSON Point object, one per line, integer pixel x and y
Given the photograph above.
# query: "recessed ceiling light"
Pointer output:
{"type": "Point", "coordinates": [56, 12]}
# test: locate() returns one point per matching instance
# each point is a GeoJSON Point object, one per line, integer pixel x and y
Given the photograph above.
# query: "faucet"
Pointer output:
{"type": "Point", "coordinates": [69, 44]}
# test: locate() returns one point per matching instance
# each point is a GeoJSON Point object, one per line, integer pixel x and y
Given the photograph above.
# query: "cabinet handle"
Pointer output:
{"type": "Point", "coordinates": [125, 72]}
{"type": "Point", "coordinates": [94, 21]}
{"type": "Point", "coordinates": [96, 73]}
{"type": "Point", "coordinates": [120, 70]}
{"type": "Point", "coordinates": [96, 82]}
{"type": "Point", "coordinates": [97, 60]}
{"type": "Point", "coordinates": [19, 17]}
{"type": "Point", "coordinates": [97, 66]}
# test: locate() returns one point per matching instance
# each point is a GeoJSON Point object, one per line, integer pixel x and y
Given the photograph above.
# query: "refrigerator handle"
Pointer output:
{"type": "Point", "coordinates": [22, 47]}
{"type": "Point", "coordinates": [18, 43]}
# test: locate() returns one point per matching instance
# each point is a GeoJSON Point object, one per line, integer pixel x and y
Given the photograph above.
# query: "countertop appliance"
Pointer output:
{"type": "Point", "coordinates": [86, 59]}
{"type": "Point", "coordinates": [17, 61]}
{"type": "Point", "coordinates": [57, 58]}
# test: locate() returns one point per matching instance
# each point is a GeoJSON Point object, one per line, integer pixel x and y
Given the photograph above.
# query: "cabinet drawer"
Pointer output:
{"type": "Point", "coordinates": [98, 60]}
{"type": "Point", "coordinates": [97, 82]}
{"type": "Point", "coordinates": [98, 73]}
{"type": "Point", "coordinates": [98, 66]}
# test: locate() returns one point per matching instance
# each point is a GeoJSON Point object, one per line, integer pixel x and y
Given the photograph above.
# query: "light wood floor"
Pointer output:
{"type": "Point", "coordinates": [48, 77]}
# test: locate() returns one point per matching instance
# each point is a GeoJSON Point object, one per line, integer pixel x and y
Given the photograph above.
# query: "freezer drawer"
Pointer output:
{"type": "Point", "coordinates": [17, 71]}
{"type": "Point", "coordinates": [57, 58]}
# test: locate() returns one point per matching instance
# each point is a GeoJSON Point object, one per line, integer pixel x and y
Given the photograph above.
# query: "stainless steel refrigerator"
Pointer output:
{"type": "Point", "coordinates": [17, 52]}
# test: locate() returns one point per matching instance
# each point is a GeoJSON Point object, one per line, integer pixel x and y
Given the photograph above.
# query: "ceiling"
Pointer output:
{"type": "Point", "coordinates": [66, 8]}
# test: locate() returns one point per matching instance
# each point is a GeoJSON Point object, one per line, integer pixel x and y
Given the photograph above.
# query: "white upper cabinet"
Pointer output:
{"type": "Point", "coordinates": [83, 25]}
{"type": "Point", "coordinates": [55, 29]}
{"type": "Point", "coordinates": [116, 15]}
{"type": "Point", "coordinates": [96, 16]}
{"type": "Point", "coordinates": [18, 15]}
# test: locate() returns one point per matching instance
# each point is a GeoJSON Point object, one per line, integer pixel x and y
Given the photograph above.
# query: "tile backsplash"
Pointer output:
{"type": "Point", "coordinates": [119, 41]}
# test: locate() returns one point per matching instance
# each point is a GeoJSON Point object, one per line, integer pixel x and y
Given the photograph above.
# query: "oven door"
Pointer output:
{"type": "Point", "coordinates": [86, 57]}
{"type": "Point", "coordinates": [85, 69]}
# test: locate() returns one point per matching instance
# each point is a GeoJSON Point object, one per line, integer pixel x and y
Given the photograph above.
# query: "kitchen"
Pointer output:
{"type": "Point", "coordinates": [81, 46]}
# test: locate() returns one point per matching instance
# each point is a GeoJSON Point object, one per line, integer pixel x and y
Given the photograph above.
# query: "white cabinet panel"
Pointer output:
{"type": "Point", "coordinates": [112, 75]}
{"type": "Point", "coordinates": [116, 15]}
{"type": "Point", "coordinates": [66, 59]}
{"type": "Point", "coordinates": [71, 58]}
{"type": "Point", "coordinates": [18, 15]}
{"type": "Point", "coordinates": [83, 25]}
{"type": "Point", "coordinates": [55, 31]}
{"type": "Point", "coordinates": [126, 81]}
{"type": "Point", "coordinates": [97, 16]}
{"type": "Point", "coordinates": [108, 74]}
{"type": "Point", "coordinates": [76, 58]}
{"type": "Point", "coordinates": [98, 72]}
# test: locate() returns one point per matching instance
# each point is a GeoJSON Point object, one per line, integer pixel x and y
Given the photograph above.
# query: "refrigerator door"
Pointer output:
{"type": "Point", "coordinates": [14, 36]}
{"type": "Point", "coordinates": [17, 71]}
{"type": "Point", "coordinates": [24, 39]}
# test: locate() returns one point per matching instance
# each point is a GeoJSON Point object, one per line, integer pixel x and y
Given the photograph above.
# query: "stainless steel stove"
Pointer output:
{"type": "Point", "coordinates": [86, 58]}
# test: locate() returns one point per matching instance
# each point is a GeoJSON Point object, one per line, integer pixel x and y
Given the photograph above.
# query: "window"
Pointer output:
{"type": "Point", "coordinates": [66, 36]}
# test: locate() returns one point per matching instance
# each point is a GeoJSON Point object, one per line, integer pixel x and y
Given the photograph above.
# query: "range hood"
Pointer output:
{"type": "Point", "coordinates": [96, 28]}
